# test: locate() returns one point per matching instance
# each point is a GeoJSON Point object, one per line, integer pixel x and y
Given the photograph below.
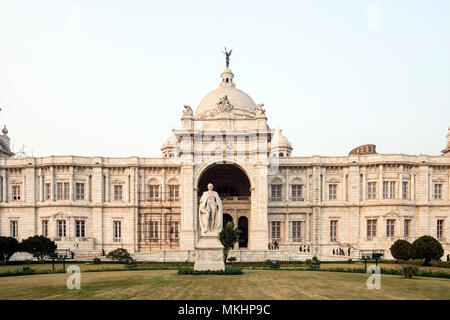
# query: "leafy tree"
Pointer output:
{"type": "Point", "coordinates": [119, 254]}
{"type": "Point", "coordinates": [38, 246]}
{"type": "Point", "coordinates": [401, 250]}
{"type": "Point", "coordinates": [228, 236]}
{"type": "Point", "coordinates": [427, 248]}
{"type": "Point", "coordinates": [8, 246]}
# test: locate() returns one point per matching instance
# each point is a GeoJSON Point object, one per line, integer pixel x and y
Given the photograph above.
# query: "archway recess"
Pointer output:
{"type": "Point", "coordinates": [229, 180]}
{"type": "Point", "coordinates": [233, 186]}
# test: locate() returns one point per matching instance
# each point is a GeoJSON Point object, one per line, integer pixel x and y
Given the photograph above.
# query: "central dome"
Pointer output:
{"type": "Point", "coordinates": [238, 99]}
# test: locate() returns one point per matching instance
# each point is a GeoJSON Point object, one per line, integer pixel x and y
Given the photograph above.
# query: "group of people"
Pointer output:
{"type": "Point", "coordinates": [341, 252]}
{"type": "Point", "coordinates": [304, 249]}
{"type": "Point", "coordinates": [273, 245]}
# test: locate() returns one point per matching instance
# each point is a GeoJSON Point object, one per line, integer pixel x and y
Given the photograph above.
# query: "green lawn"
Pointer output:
{"type": "Point", "coordinates": [253, 284]}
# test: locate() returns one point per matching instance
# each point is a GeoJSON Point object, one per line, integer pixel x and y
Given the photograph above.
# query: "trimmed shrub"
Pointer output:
{"type": "Point", "coordinates": [227, 271]}
{"type": "Point", "coordinates": [228, 237]}
{"type": "Point", "coordinates": [426, 248]}
{"type": "Point", "coordinates": [232, 259]}
{"type": "Point", "coordinates": [401, 250]}
{"type": "Point", "coordinates": [119, 254]}
{"type": "Point", "coordinates": [8, 246]}
{"type": "Point", "coordinates": [275, 264]}
{"type": "Point", "coordinates": [410, 271]}
{"type": "Point", "coordinates": [96, 261]}
{"type": "Point", "coordinates": [38, 246]}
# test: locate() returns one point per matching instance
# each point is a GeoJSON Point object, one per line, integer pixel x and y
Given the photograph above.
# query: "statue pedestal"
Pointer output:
{"type": "Point", "coordinates": [209, 253]}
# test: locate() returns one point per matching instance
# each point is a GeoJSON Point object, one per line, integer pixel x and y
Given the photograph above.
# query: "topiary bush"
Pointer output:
{"type": "Point", "coordinates": [38, 246]}
{"type": "Point", "coordinates": [232, 259]}
{"type": "Point", "coordinates": [96, 261]}
{"type": "Point", "coordinates": [410, 271]}
{"type": "Point", "coordinates": [8, 246]}
{"type": "Point", "coordinates": [401, 250]}
{"type": "Point", "coordinates": [426, 248]}
{"type": "Point", "coordinates": [119, 254]}
{"type": "Point", "coordinates": [227, 271]}
{"type": "Point", "coordinates": [275, 264]}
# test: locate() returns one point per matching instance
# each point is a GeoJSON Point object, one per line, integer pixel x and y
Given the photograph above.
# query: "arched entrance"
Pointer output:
{"type": "Point", "coordinates": [228, 179]}
{"type": "Point", "coordinates": [233, 187]}
{"type": "Point", "coordinates": [243, 232]}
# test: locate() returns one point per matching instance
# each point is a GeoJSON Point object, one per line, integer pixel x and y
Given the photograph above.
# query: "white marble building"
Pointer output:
{"type": "Point", "coordinates": [149, 205]}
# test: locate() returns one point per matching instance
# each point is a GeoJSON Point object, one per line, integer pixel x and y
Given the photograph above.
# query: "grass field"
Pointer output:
{"type": "Point", "coordinates": [253, 284]}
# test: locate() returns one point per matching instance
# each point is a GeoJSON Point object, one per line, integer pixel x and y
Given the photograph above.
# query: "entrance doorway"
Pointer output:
{"type": "Point", "coordinates": [233, 187]}
{"type": "Point", "coordinates": [243, 232]}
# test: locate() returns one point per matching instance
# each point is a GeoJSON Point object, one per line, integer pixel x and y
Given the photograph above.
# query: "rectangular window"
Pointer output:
{"type": "Point", "coordinates": [275, 229]}
{"type": "Point", "coordinates": [405, 190]}
{"type": "Point", "coordinates": [296, 231]}
{"type": "Point", "coordinates": [371, 229]}
{"type": "Point", "coordinates": [333, 230]}
{"type": "Point", "coordinates": [174, 192]}
{"type": "Point", "coordinates": [371, 190]}
{"type": "Point", "coordinates": [66, 191]}
{"type": "Point", "coordinates": [437, 194]}
{"type": "Point", "coordinates": [297, 192]}
{"type": "Point", "coordinates": [62, 191]}
{"type": "Point", "coordinates": [153, 229]}
{"type": "Point", "coordinates": [79, 191]}
{"type": "Point", "coordinates": [392, 189]}
{"type": "Point", "coordinates": [14, 228]}
{"type": "Point", "coordinates": [388, 189]}
{"type": "Point", "coordinates": [390, 227]}
{"type": "Point", "coordinates": [117, 230]}
{"type": "Point", "coordinates": [117, 192]}
{"type": "Point", "coordinates": [407, 228]}
{"type": "Point", "coordinates": [153, 192]}
{"type": "Point", "coordinates": [16, 192]}
{"type": "Point", "coordinates": [45, 228]}
{"type": "Point", "coordinates": [275, 194]}
{"type": "Point", "coordinates": [332, 191]}
{"type": "Point", "coordinates": [173, 230]}
{"type": "Point", "coordinates": [440, 229]}
{"type": "Point", "coordinates": [47, 191]}
{"type": "Point", "coordinates": [80, 228]}
{"type": "Point", "coordinates": [61, 228]}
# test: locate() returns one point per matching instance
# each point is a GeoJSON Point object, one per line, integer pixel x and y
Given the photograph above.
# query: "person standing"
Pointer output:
{"type": "Point", "coordinates": [349, 252]}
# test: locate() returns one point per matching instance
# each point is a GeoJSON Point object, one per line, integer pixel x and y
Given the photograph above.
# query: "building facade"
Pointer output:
{"type": "Point", "coordinates": [149, 206]}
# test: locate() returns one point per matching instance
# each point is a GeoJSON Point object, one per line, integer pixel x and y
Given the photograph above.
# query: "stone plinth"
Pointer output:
{"type": "Point", "coordinates": [209, 254]}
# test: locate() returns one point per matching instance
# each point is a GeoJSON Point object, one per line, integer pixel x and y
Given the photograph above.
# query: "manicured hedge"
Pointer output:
{"type": "Point", "coordinates": [227, 271]}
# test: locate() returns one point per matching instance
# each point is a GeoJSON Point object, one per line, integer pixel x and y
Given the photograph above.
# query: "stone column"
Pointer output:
{"type": "Point", "coordinates": [108, 187]}
{"type": "Point", "coordinates": [188, 216]}
{"type": "Point", "coordinates": [286, 228]}
{"type": "Point", "coordinates": [364, 187]}
{"type": "Point", "coordinates": [52, 183]}
{"type": "Point", "coordinates": [258, 214]}
{"type": "Point", "coordinates": [380, 184]}
{"type": "Point", "coordinates": [308, 227]}
{"type": "Point", "coordinates": [72, 185]}
{"type": "Point", "coordinates": [400, 184]}
{"type": "Point", "coordinates": [5, 185]}
{"type": "Point", "coordinates": [41, 186]}
{"type": "Point", "coordinates": [413, 186]}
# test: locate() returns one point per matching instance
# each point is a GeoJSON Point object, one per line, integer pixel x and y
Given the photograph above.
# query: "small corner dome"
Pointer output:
{"type": "Point", "coordinates": [279, 140]}
{"type": "Point", "coordinates": [171, 141]}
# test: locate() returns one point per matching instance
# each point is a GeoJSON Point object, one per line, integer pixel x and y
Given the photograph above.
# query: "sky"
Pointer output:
{"type": "Point", "coordinates": [110, 78]}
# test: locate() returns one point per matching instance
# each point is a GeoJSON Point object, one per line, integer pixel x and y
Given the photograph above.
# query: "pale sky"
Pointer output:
{"type": "Point", "coordinates": [110, 78]}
